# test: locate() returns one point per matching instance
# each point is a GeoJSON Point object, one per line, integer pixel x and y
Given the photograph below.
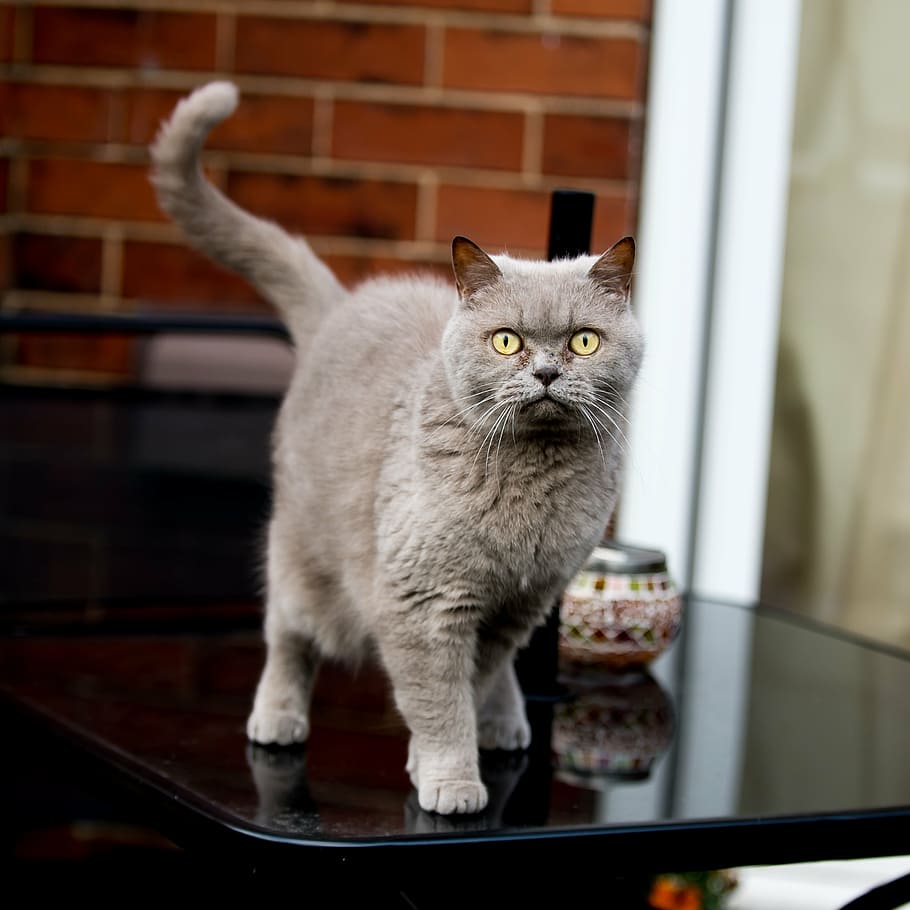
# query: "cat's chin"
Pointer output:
{"type": "Point", "coordinates": [547, 410]}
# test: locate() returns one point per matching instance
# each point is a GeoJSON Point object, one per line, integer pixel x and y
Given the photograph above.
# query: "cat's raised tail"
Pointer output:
{"type": "Point", "coordinates": [282, 267]}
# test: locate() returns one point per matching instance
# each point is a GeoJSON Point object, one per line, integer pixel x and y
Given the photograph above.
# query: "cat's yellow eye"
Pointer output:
{"type": "Point", "coordinates": [506, 342]}
{"type": "Point", "coordinates": [584, 342]}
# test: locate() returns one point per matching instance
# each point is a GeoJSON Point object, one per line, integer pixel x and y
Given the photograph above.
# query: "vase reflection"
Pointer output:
{"type": "Point", "coordinates": [614, 726]}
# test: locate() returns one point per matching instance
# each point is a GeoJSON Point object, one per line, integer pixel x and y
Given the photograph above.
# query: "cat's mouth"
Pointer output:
{"type": "Point", "coordinates": [546, 402]}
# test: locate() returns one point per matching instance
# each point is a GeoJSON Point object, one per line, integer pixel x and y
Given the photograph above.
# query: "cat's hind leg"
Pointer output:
{"type": "Point", "coordinates": [280, 714]}
{"type": "Point", "coordinates": [502, 722]}
{"type": "Point", "coordinates": [281, 707]}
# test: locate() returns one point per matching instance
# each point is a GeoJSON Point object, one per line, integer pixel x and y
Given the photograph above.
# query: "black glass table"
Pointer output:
{"type": "Point", "coordinates": [130, 647]}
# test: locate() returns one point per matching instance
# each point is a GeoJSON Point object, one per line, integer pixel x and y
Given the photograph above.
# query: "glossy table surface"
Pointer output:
{"type": "Point", "coordinates": [131, 646]}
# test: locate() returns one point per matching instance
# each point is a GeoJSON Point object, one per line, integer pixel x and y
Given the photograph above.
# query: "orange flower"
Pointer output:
{"type": "Point", "coordinates": [672, 894]}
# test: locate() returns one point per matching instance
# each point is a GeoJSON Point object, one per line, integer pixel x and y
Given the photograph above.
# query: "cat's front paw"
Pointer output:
{"type": "Point", "coordinates": [504, 731]}
{"type": "Point", "coordinates": [278, 728]}
{"type": "Point", "coordinates": [448, 797]}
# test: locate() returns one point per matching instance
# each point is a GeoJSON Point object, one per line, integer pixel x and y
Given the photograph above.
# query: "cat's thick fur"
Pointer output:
{"type": "Point", "coordinates": [432, 496]}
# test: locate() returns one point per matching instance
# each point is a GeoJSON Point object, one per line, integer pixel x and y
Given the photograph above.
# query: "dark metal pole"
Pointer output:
{"type": "Point", "coordinates": [571, 221]}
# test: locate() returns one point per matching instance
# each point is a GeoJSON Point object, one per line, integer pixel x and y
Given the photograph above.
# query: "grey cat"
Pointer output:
{"type": "Point", "coordinates": [444, 460]}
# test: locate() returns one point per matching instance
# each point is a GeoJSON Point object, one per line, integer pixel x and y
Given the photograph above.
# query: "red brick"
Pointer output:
{"type": "Point", "coordinates": [586, 147]}
{"type": "Point", "coordinates": [172, 274]}
{"type": "Point", "coordinates": [546, 64]}
{"type": "Point", "coordinates": [110, 354]}
{"type": "Point", "coordinates": [6, 266]}
{"type": "Point", "coordinates": [4, 182]}
{"type": "Point", "coordinates": [53, 263]}
{"type": "Point", "coordinates": [639, 10]}
{"type": "Point", "coordinates": [6, 118]}
{"type": "Point", "coordinates": [98, 189]}
{"type": "Point", "coordinates": [63, 113]}
{"type": "Point", "coordinates": [351, 270]}
{"type": "Point", "coordinates": [350, 208]}
{"type": "Point", "coordinates": [7, 32]}
{"type": "Point", "coordinates": [427, 135]}
{"type": "Point", "coordinates": [491, 6]}
{"type": "Point", "coordinates": [275, 124]}
{"type": "Point", "coordinates": [614, 217]}
{"type": "Point", "coordinates": [497, 219]}
{"type": "Point", "coordinates": [145, 39]}
{"type": "Point", "coordinates": [361, 52]}
{"type": "Point", "coordinates": [501, 219]}
{"type": "Point", "coordinates": [144, 111]}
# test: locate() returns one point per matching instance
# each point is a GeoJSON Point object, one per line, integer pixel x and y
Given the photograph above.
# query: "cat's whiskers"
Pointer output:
{"type": "Point", "coordinates": [621, 443]}
{"type": "Point", "coordinates": [588, 417]}
{"type": "Point", "coordinates": [608, 392]}
{"type": "Point", "coordinates": [492, 388]}
{"type": "Point", "coordinates": [611, 404]}
{"type": "Point", "coordinates": [623, 439]}
{"type": "Point", "coordinates": [488, 438]}
{"type": "Point", "coordinates": [502, 430]}
{"type": "Point", "coordinates": [506, 404]}
{"type": "Point", "coordinates": [499, 425]}
{"type": "Point", "coordinates": [463, 412]}
{"type": "Point", "coordinates": [488, 413]}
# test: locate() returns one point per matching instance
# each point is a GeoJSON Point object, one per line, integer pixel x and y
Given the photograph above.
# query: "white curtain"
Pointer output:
{"type": "Point", "coordinates": [838, 522]}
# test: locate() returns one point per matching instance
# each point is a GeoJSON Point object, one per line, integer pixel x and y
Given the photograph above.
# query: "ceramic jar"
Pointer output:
{"type": "Point", "coordinates": [621, 610]}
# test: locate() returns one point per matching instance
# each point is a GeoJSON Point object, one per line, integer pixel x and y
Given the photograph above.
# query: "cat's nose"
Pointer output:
{"type": "Point", "coordinates": [546, 373]}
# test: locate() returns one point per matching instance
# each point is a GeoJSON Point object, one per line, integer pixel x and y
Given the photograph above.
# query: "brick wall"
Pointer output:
{"type": "Point", "coordinates": [380, 129]}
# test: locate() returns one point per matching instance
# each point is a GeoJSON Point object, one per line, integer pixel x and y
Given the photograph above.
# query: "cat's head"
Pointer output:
{"type": "Point", "coordinates": [543, 343]}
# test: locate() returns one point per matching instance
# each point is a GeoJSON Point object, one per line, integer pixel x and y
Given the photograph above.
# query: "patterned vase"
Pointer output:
{"type": "Point", "coordinates": [621, 610]}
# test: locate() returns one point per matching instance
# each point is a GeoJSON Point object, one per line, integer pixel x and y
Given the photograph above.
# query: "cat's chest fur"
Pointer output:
{"type": "Point", "coordinates": [487, 528]}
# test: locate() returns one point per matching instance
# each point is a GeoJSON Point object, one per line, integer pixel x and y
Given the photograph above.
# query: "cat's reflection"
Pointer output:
{"type": "Point", "coordinates": [279, 775]}
{"type": "Point", "coordinates": [500, 771]}
{"type": "Point", "coordinates": [285, 802]}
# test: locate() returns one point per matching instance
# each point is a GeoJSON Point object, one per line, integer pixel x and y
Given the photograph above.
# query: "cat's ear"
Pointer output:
{"type": "Point", "coordinates": [613, 271]}
{"type": "Point", "coordinates": [474, 270]}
